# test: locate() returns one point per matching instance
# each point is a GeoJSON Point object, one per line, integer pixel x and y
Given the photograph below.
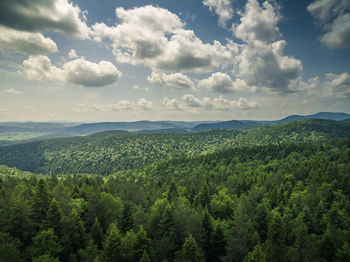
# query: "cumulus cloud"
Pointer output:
{"type": "Point", "coordinates": [144, 104]}
{"type": "Point", "coordinates": [171, 104]}
{"type": "Point", "coordinates": [222, 8]}
{"type": "Point", "coordinates": [334, 17]}
{"type": "Point", "coordinates": [261, 61]}
{"type": "Point", "coordinates": [265, 65]}
{"type": "Point", "coordinates": [86, 73]}
{"type": "Point", "coordinates": [258, 23]}
{"type": "Point", "coordinates": [192, 101]}
{"type": "Point", "coordinates": [176, 81]}
{"type": "Point", "coordinates": [39, 68]}
{"type": "Point", "coordinates": [338, 84]}
{"type": "Point", "coordinates": [25, 42]}
{"type": "Point", "coordinates": [38, 16]}
{"type": "Point", "coordinates": [72, 54]}
{"type": "Point", "coordinates": [156, 38]}
{"type": "Point", "coordinates": [331, 85]}
{"type": "Point", "coordinates": [219, 103]}
{"type": "Point", "coordinates": [78, 71]}
{"type": "Point", "coordinates": [13, 91]}
{"type": "Point", "coordinates": [218, 82]}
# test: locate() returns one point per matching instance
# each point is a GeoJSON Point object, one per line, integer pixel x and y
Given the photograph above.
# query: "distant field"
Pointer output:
{"type": "Point", "coordinates": [10, 138]}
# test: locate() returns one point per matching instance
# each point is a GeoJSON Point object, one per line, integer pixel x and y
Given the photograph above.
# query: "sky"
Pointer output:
{"type": "Point", "coordinates": [128, 60]}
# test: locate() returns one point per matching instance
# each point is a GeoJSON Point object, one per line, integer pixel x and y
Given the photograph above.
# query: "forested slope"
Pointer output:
{"type": "Point", "coordinates": [286, 202]}
{"type": "Point", "coordinates": [108, 152]}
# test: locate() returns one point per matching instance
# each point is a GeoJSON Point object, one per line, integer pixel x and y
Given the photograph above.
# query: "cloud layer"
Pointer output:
{"type": "Point", "coordinates": [219, 103]}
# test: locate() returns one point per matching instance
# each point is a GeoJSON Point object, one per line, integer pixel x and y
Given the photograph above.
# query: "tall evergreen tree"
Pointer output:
{"type": "Point", "coordinates": [276, 237]}
{"type": "Point", "coordinates": [54, 216]}
{"type": "Point", "coordinates": [41, 202]}
{"type": "Point", "coordinates": [111, 249]}
{"type": "Point", "coordinates": [189, 252]}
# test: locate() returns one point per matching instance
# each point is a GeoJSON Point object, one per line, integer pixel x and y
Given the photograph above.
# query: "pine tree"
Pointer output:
{"type": "Point", "coordinates": [145, 257]}
{"type": "Point", "coordinates": [275, 244]}
{"type": "Point", "coordinates": [54, 216]}
{"type": "Point", "coordinates": [111, 249]}
{"type": "Point", "coordinates": [217, 244]}
{"type": "Point", "coordinates": [189, 251]}
{"type": "Point", "coordinates": [41, 203]}
{"type": "Point", "coordinates": [127, 221]}
{"type": "Point", "coordinates": [343, 254]}
{"type": "Point", "coordinates": [97, 233]}
{"type": "Point", "coordinates": [256, 255]}
{"type": "Point", "coordinates": [45, 242]}
{"type": "Point", "coordinates": [207, 230]}
{"type": "Point", "coordinates": [9, 248]}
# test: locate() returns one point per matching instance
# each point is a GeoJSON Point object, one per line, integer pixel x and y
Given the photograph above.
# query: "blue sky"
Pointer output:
{"type": "Point", "coordinates": [87, 60]}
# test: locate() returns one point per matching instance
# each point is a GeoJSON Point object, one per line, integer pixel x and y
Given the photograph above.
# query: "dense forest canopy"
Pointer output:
{"type": "Point", "coordinates": [272, 193]}
{"type": "Point", "coordinates": [107, 152]}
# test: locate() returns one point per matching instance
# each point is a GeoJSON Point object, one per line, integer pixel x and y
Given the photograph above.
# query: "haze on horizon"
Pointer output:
{"type": "Point", "coordinates": [85, 60]}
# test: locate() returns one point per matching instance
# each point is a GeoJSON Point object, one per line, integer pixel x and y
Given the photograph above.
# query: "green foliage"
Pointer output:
{"type": "Point", "coordinates": [45, 242]}
{"type": "Point", "coordinates": [189, 251]}
{"type": "Point", "coordinates": [272, 202]}
{"type": "Point", "coordinates": [45, 258]}
{"type": "Point", "coordinates": [9, 248]}
{"type": "Point", "coordinates": [112, 151]}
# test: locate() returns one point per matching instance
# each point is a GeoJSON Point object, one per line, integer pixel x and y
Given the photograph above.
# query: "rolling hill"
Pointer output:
{"type": "Point", "coordinates": [110, 151]}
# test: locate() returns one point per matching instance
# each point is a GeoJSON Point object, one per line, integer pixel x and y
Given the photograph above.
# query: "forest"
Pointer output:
{"type": "Point", "coordinates": [273, 193]}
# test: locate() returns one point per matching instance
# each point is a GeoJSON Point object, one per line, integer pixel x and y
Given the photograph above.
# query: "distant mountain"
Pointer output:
{"type": "Point", "coordinates": [320, 115]}
{"type": "Point", "coordinates": [90, 128]}
{"type": "Point", "coordinates": [110, 151]}
{"type": "Point", "coordinates": [233, 124]}
{"type": "Point", "coordinates": [33, 127]}
{"type": "Point", "coordinates": [245, 124]}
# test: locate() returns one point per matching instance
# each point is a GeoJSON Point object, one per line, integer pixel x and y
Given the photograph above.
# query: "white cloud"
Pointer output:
{"type": "Point", "coordinates": [339, 34]}
{"type": "Point", "coordinates": [144, 104]}
{"type": "Point", "coordinates": [85, 73]}
{"type": "Point", "coordinates": [218, 82]}
{"type": "Point", "coordinates": [258, 23]}
{"type": "Point", "coordinates": [338, 84]}
{"type": "Point", "coordinates": [78, 71]}
{"type": "Point", "coordinates": [72, 54]}
{"type": "Point", "coordinates": [137, 87]}
{"type": "Point", "coordinates": [222, 8]}
{"type": "Point", "coordinates": [176, 81]}
{"type": "Point", "coordinates": [25, 42]}
{"type": "Point", "coordinates": [13, 91]}
{"type": "Point", "coordinates": [123, 105]}
{"type": "Point", "coordinates": [191, 101]}
{"type": "Point", "coordinates": [334, 16]}
{"type": "Point", "coordinates": [171, 104]}
{"type": "Point", "coordinates": [156, 38]}
{"type": "Point", "coordinates": [219, 103]}
{"type": "Point", "coordinates": [38, 16]}
{"type": "Point", "coordinates": [39, 68]}
{"type": "Point", "coordinates": [265, 66]}
{"type": "Point", "coordinates": [261, 61]}
{"type": "Point", "coordinates": [332, 85]}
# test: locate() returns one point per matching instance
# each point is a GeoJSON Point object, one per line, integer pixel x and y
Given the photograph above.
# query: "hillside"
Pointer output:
{"type": "Point", "coordinates": [255, 203]}
{"type": "Point", "coordinates": [110, 151]}
{"type": "Point", "coordinates": [233, 124]}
